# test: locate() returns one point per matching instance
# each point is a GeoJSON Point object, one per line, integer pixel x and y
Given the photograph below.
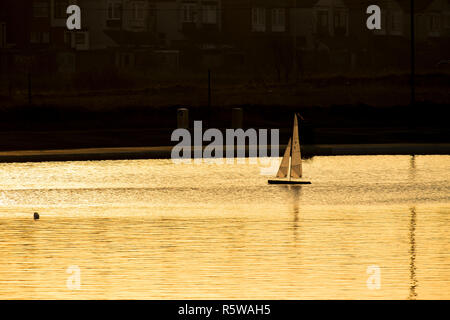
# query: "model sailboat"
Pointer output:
{"type": "Point", "coordinates": [291, 165]}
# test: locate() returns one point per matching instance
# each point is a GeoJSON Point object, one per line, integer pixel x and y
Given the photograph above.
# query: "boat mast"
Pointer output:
{"type": "Point", "coordinates": [292, 146]}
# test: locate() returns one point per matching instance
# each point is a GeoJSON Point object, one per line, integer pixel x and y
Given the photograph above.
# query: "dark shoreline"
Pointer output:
{"type": "Point", "coordinates": [423, 129]}
{"type": "Point", "coordinates": [47, 128]}
{"type": "Point", "coordinates": [164, 152]}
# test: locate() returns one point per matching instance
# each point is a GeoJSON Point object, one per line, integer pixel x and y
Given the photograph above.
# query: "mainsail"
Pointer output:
{"type": "Point", "coordinates": [296, 160]}
{"type": "Point", "coordinates": [284, 167]}
{"type": "Point", "coordinates": [292, 159]}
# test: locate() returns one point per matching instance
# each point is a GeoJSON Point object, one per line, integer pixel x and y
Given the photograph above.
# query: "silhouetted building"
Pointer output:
{"type": "Point", "coordinates": [277, 36]}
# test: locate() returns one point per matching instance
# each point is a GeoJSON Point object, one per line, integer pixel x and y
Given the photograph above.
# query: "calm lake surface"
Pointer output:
{"type": "Point", "coordinates": [155, 230]}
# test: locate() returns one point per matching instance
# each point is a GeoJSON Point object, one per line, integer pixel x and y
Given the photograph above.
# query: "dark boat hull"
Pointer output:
{"type": "Point", "coordinates": [288, 182]}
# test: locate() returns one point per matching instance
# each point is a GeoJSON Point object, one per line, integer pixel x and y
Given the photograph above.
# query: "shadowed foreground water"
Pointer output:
{"type": "Point", "coordinates": [153, 229]}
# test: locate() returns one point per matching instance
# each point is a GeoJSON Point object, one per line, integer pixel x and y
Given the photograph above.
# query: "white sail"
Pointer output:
{"type": "Point", "coordinates": [291, 164]}
{"type": "Point", "coordinates": [284, 166]}
{"type": "Point", "coordinates": [296, 157]}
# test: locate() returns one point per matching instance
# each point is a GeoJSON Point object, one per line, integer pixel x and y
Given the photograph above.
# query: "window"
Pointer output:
{"type": "Point", "coordinates": [340, 19]}
{"type": "Point", "coordinates": [209, 14]}
{"type": "Point", "coordinates": [125, 60]}
{"type": "Point", "coordinates": [138, 9]}
{"type": "Point", "coordinates": [259, 19]}
{"type": "Point", "coordinates": [322, 22]}
{"type": "Point", "coordinates": [45, 37]}
{"type": "Point", "coordinates": [395, 23]}
{"type": "Point", "coordinates": [189, 12]}
{"type": "Point", "coordinates": [447, 21]}
{"type": "Point", "coordinates": [114, 10]}
{"type": "Point", "coordinates": [151, 20]}
{"type": "Point", "coordinates": [279, 20]}
{"type": "Point", "coordinates": [61, 8]}
{"type": "Point", "coordinates": [80, 38]}
{"type": "Point", "coordinates": [77, 40]}
{"type": "Point", "coordinates": [434, 23]}
{"type": "Point", "coordinates": [340, 22]}
{"type": "Point", "coordinates": [322, 18]}
{"type": "Point", "coordinates": [37, 37]}
{"type": "Point", "coordinates": [40, 9]}
{"type": "Point", "coordinates": [68, 38]}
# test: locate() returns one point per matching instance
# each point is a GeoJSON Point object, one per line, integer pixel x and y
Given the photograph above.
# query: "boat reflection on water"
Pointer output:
{"type": "Point", "coordinates": [294, 193]}
{"type": "Point", "coordinates": [412, 237]}
{"type": "Point", "coordinates": [412, 264]}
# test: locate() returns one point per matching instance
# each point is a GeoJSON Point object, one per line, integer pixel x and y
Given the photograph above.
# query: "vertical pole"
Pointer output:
{"type": "Point", "coordinates": [10, 89]}
{"type": "Point", "coordinates": [295, 42]}
{"type": "Point", "coordinates": [413, 57]}
{"type": "Point", "coordinates": [292, 147]}
{"type": "Point", "coordinates": [209, 97]}
{"type": "Point", "coordinates": [29, 88]}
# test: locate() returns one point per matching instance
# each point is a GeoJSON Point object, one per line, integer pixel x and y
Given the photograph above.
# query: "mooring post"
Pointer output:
{"type": "Point", "coordinates": [183, 118]}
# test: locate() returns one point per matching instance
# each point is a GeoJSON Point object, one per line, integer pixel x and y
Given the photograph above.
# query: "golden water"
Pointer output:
{"type": "Point", "coordinates": [155, 230]}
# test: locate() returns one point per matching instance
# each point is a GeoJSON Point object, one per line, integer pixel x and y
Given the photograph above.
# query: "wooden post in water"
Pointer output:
{"type": "Point", "coordinates": [183, 118]}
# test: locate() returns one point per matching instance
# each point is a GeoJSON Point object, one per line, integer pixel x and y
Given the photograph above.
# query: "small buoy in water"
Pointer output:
{"type": "Point", "coordinates": [36, 216]}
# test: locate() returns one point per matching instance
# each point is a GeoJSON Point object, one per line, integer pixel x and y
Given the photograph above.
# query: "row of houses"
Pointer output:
{"type": "Point", "coordinates": [212, 33]}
